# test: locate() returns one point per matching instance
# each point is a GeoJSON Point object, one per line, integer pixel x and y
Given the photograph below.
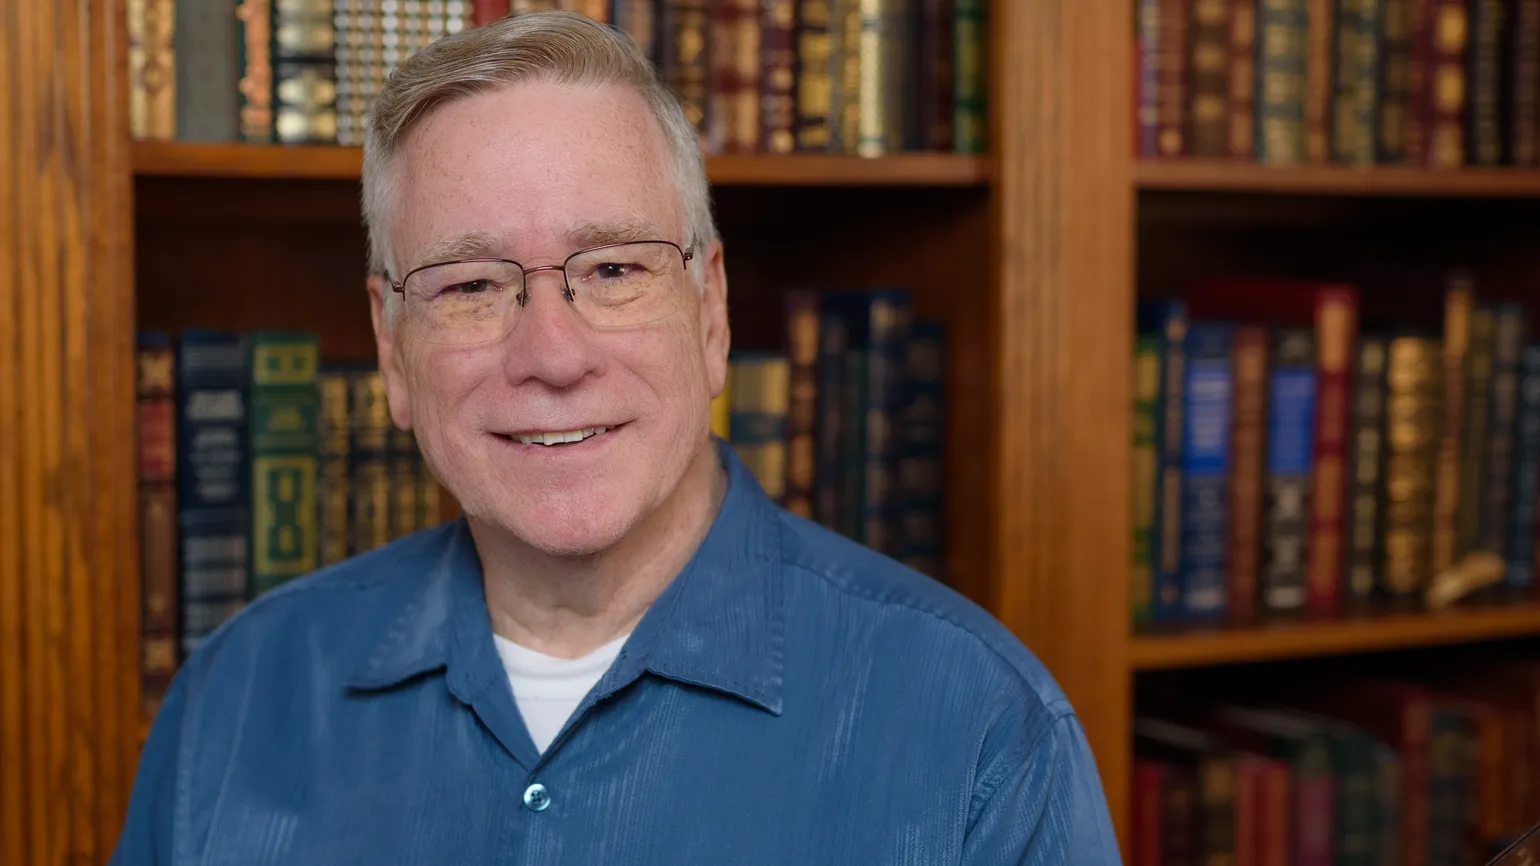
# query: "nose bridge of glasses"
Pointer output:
{"type": "Point", "coordinates": [561, 271]}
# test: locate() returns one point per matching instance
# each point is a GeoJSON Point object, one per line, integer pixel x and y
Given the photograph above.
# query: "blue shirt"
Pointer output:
{"type": "Point", "coordinates": [791, 697]}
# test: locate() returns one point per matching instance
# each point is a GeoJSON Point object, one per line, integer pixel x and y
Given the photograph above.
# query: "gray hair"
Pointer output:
{"type": "Point", "coordinates": [564, 47]}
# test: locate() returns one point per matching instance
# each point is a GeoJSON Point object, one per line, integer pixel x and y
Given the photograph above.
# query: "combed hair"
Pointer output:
{"type": "Point", "coordinates": [560, 47]}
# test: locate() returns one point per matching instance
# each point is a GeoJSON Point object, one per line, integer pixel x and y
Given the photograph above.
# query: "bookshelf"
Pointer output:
{"type": "Point", "coordinates": [1197, 175]}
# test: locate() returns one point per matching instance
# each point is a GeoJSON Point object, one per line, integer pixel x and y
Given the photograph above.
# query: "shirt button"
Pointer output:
{"type": "Point", "coordinates": [537, 798]}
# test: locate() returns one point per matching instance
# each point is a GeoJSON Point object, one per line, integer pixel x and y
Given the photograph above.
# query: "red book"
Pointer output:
{"type": "Point", "coordinates": [1332, 310]}
{"type": "Point", "coordinates": [487, 11]}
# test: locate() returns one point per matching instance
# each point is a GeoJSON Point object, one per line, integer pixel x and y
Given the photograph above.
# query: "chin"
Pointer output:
{"type": "Point", "coordinates": [568, 523]}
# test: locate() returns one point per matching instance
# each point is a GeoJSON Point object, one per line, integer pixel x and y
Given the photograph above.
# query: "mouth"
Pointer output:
{"type": "Point", "coordinates": [557, 438]}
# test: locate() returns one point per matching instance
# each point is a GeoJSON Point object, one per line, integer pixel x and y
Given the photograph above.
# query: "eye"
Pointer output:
{"type": "Point", "coordinates": [471, 287]}
{"type": "Point", "coordinates": [614, 270]}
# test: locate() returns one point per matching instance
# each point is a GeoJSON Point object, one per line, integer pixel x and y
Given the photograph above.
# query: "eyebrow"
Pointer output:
{"type": "Point", "coordinates": [595, 234]}
{"type": "Point", "coordinates": [471, 245]}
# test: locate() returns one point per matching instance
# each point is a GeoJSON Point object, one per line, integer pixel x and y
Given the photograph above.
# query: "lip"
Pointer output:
{"type": "Point", "coordinates": [570, 449]}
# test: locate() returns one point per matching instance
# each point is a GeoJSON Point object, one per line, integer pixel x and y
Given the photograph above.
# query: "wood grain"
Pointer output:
{"type": "Point", "coordinates": [14, 828]}
{"type": "Point", "coordinates": [66, 467]}
{"type": "Point", "coordinates": [1312, 639]}
{"type": "Point", "coordinates": [1063, 247]}
{"type": "Point", "coordinates": [178, 159]}
{"type": "Point", "coordinates": [1386, 180]}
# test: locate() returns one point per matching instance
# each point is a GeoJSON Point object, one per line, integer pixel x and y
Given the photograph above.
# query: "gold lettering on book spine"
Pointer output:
{"type": "Point", "coordinates": [256, 85]}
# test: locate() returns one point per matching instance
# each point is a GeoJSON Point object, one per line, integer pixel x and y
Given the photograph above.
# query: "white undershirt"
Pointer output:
{"type": "Point", "coordinates": [548, 688]}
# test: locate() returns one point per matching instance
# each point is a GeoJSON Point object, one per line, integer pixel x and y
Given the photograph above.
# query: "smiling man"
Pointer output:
{"type": "Point", "coordinates": [623, 652]}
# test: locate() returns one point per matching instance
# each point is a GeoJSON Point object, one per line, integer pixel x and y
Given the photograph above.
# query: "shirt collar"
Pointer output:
{"type": "Point", "coordinates": [719, 624]}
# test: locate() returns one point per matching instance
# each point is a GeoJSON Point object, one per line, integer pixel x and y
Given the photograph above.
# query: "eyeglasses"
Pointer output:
{"type": "Point", "coordinates": [611, 286]}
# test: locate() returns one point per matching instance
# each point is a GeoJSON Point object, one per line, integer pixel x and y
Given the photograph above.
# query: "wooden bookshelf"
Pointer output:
{"type": "Point", "coordinates": [291, 162]}
{"type": "Point", "coordinates": [1338, 637]}
{"type": "Point", "coordinates": [1386, 180]}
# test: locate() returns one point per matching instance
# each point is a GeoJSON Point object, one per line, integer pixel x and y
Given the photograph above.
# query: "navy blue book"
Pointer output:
{"type": "Point", "coordinates": [1210, 390]}
{"type": "Point", "coordinates": [1167, 320]}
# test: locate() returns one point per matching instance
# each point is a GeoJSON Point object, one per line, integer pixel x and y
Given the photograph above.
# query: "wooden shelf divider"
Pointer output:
{"type": "Point", "coordinates": [182, 159]}
{"type": "Point", "coordinates": [1380, 180]}
{"type": "Point", "coordinates": [1299, 640]}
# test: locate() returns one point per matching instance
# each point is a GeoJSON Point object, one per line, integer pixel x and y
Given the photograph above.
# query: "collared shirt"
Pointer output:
{"type": "Point", "coordinates": [791, 697]}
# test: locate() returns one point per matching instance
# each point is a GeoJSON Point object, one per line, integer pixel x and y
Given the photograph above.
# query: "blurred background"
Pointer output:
{"type": "Point", "coordinates": [1196, 340]}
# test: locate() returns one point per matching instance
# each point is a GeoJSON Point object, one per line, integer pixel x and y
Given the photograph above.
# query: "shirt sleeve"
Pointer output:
{"type": "Point", "coordinates": [1041, 804]}
{"type": "Point", "coordinates": [146, 836]}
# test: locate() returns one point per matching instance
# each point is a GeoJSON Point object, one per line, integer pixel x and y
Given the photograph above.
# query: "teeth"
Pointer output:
{"type": "Point", "coordinates": [562, 437]}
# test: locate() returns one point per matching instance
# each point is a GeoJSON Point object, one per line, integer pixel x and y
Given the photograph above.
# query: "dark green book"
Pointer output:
{"type": "Point", "coordinates": [285, 407]}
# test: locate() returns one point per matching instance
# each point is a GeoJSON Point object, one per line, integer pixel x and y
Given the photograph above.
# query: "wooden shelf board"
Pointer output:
{"type": "Point", "coordinates": [178, 159]}
{"type": "Point", "coordinates": [1216, 176]}
{"type": "Point", "coordinates": [1309, 639]}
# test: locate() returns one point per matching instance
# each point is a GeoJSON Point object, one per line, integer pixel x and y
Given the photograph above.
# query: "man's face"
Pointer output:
{"type": "Point", "coordinates": [540, 168]}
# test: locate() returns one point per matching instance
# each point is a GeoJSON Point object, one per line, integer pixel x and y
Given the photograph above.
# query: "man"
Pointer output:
{"type": "Point", "coordinates": [623, 653]}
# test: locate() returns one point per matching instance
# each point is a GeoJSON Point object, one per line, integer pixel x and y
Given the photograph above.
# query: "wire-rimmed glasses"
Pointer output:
{"type": "Point", "coordinates": [618, 285]}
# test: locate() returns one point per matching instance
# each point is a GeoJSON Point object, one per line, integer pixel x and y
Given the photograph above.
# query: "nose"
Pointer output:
{"type": "Point", "coordinates": [549, 342]}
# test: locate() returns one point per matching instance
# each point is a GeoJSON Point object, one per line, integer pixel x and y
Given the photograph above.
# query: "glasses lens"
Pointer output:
{"type": "Point", "coordinates": [463, 302]}
{"type": "Point", "coordinates": [627, 284]}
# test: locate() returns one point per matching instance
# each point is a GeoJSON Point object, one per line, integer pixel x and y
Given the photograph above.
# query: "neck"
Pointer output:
{"type": "Point", "coordinates": [567, 606]}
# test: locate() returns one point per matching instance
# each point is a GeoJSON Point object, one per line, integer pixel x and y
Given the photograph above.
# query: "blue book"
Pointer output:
{"type": "Point", "coordinates": [1520, 553]}
{"type": "Point", "coordinates": [1286, 477]}
{"type": "Point", "coordinates": [1206, 472]}
{"type": "Point", "coordinates": [1167, 320]}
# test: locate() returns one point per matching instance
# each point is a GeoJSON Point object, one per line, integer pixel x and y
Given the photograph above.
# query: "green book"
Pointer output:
{"type": "Point", "coordinates": [285, 407]}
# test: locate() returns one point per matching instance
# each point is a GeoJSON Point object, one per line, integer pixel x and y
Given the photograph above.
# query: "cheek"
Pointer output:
{"type": "Point", "coordinates": [439, 382]}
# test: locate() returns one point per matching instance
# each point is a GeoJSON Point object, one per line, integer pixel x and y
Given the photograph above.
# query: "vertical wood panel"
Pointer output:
{"type": "Point", "coordinates": [68, 662]}
{"type": "Point", "coordinates": [1064, 228]}
{"type": "Point", "coordinates": [13, 765]}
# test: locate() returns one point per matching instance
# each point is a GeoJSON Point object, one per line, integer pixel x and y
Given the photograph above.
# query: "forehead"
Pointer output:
{"type": "Point", "coordinates": [528, 166]}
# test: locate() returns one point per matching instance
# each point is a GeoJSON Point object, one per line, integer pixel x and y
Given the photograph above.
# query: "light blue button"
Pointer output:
{"type": "Point", "coordinates": [537, 798]}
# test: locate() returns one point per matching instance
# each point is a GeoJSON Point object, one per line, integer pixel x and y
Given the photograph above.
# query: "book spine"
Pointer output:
{"type": "Point", "coordinates": [687, 62]}
{"type": "Point", "coordinates": [1166, 551]}
{"type": "Point", "coordinates": [284, 408]}
{"type": "Point", "coordinates": [1320, 28]}
{"type": "Point", "coordinates": [304, 72]}
{"type": "Point", "coordinates": [1336, 349]}
{"type": "Point", "coordinates": [802, 342]}
{"type": "Point", "coordinates": [638, 19]}
{"type": "Point", "coordinates": [1366, 492]}
{"type": "Point", "coordinates": [255, 35]}
{"type": "Point", "coordinates": [886, 67]}
{"type": "Point", "coordinates": [152, 69]}
{"type": "Point", "coordinates": [1511, 326]}
{"type": "Point", "coordinates": [1449, 38]}
{"type": "Point", "coordinates": [778, 77]}
{"type": "Point", "coordinates": [969, 115]}
{"type": "Point", "coordinates": [487, 11]}
{"type": "Point", "coordinates": [889, 317]}
{"type": "Point", "coordinates": [1521, 527]}
{"type": "Point", "coordinates": [156, 406]}
{"type": "Point", "coordinates": [1521, 82]}
{"type": "Point", "coordinates": [1171, 79]}
{"type": "Point", "coordinates": [1458, 305]}
{"type": "Point", "coordinates": [852, 459]}
{"type": "Point", "coordinates": [1242, 79]}
{"type": "Point", "coordinates": [1474, 447]}
{"type": "Point", "coordinates": [1290, 440]}
{"type": "Point", "coordinates": [1145, 463]}
{"type": "Point", "coordinates": [369, 471]}
{"type": "Point", "coordinates": [922, 469]}
{"type": "Point", "coordinates": [846, 112]}
{"type": "Point", "coordinates": [1394, 116]}
{"type": "Point", "coordinates": [829, 439]}
{"type": "Point", "coordinates": [1419, 80]}
{"type": "Point", "coordinates": [1357, 82]}
{"type": "Point", "coordinates": [1484, 96]}
{"type": "Point", "coordinates": [762, 386]}
{"type": "Point", "coordinates": [1208, 84]}
{"type": "Point", "coordinates": [1205, 469]}
{"type": "Point", "coordinates": [206, 80]}
{"type": "Point", "coordinates": [1412, 441]}
{"type": "Point", "coordinates": [935, 75]}
{"type": "Point", "coordinates": [332, 489]}
{"type": "Point", "coordinates": [736, 49]}
{"type": "Point", "coordinates": [1246, 449]}
{"type": "Point", "coordinates": [213, 481]}
{"type": "Point", "coordinates": [1147, 78]}
{"type": "Point", "coordinates": [1281, 40]}
{"type": "Point", "coordinates": [815, 75]}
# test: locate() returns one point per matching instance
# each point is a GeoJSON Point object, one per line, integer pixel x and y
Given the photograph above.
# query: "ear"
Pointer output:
{"type": "Point", "coordinates": [388, 352]}
{"type": "Point", "coordinates": [716, 335]}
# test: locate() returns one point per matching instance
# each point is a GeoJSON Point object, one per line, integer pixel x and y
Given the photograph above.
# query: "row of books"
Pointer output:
{"type": "Point", "coordinates": [838, 410]}
{"type": "Point", "coordinates": [1370, 770]}
{"type": "Point", "coordinates": [1290, 463]}
{"type": "Point", "coordinates": [772, 76]}
{"type": "Point", "coordinates": [258, 464]}
{"type": "Point", "coordinates": [1429, 83]}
